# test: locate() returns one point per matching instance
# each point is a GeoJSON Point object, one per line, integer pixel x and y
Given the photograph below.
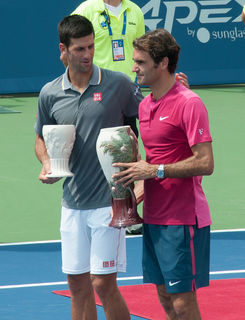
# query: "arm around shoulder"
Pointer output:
{"type": "Point", "coordinates": [243, 15]}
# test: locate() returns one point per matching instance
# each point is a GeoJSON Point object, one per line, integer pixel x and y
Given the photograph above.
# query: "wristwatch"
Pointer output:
{"type": "Point", "coordinates": [160, 171]}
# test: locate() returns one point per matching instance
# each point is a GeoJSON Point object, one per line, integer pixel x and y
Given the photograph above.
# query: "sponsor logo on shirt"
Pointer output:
{"type": "Point", "coordinates": [201, 131]}
{"type": "Point", "coordinates": [163, 118]}
{"type": "Point", "coordinates": [107, 264]}
{"type": "Point", "coordinates": [97, 96]}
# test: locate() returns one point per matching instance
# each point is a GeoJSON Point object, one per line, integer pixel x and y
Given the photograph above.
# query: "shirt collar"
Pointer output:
{"type": "Point", "coordinates": [94, 80]}
{"type": "Point", "coordinates": [100, 5]}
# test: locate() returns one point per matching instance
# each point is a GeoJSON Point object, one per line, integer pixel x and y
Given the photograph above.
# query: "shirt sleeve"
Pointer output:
{"type": "Point", "coordinates": [196, 122]}
{"type": "Point", "coordinates": [43, 112]}
{"type": "Point", "coordinates": [134, 96]}
{"type": "Point", "coordinates": [79, 10]}
{"type": "Point", "coordinates": [141, 25]}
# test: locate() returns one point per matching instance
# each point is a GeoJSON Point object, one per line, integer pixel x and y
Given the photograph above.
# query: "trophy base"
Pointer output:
{"type": "Point", "coordinates": [59, 168]}
{"type": "Point", "coordinates": [124, 213]}
{"type": "Point", "coordinates": [117, 223]}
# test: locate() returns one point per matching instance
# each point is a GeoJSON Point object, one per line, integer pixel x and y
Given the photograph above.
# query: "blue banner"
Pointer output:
{"type": "Point", "coordinates": [210, 33]}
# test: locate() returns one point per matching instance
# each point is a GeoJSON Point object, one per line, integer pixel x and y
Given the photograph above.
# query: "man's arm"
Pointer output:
{"type": "Point", "coordinates": [42, 155]}
{"type": "Point", "coordinates": [201, 163]}
{"type": "Point", "coordinates": [243, 15]}
{"type": "Point", "coordinates": [131, 121]}
{"type": "Point", "coordinates": [139, 191]}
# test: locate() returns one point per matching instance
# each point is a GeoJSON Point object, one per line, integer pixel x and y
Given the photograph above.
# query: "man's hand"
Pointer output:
{"type": "Point", "coordinates": [140, 170]}
{"type": "Point", "coordinates": [243, 17]}
{"type": "Point", "coordinates": [42, 155]}
{"type": "Point", "coordinates": [182, 78]}
{"type": "Point", "coordinates": [46, 170]}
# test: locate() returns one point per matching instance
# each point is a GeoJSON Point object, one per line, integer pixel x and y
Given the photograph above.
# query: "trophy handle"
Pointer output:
{"type": "Point", "coordinates": [133, 207]}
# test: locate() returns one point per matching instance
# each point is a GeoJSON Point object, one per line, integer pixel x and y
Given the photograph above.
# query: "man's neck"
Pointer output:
{"type": "Point", "coordinates": [80, 80]}
{"type": "Point", "coordinates": [162, 87]}
{"type": "Point", "coordinates": [113, 3]}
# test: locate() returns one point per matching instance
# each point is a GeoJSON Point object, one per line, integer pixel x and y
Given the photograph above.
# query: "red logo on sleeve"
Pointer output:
{"type": "Point", "coordinates": [97, 96]}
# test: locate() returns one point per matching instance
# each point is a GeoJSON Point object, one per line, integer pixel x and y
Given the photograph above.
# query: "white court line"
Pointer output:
{"type": "Point", "coordinates": [227, 230]}
{"type": "Point", "coordinates": [57, 283]}
{"type": "Point", "coordinates": [227, 272]}
{"type": "Point", "coordinates": [31, 285]}
{"type": "Point", "coordinates": [128, 237]}
{"type": "Point", "coordinates": [46, 284]}
{"type": "Point", "coordinates": [28, 242]}
{"type": "Point", "coordinates": [119, 279]}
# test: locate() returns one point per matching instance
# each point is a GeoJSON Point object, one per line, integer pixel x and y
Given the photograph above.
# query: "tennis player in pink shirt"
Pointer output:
{"type": "Point", "coordinates": [174, 128]}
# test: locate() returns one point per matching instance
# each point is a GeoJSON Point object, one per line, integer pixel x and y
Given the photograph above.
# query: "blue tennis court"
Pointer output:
{"type": "Point", "coordinates": [29, 272]}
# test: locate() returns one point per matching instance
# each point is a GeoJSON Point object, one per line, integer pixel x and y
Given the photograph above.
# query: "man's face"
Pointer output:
{"type": "Point", "coordinates": [80, 53]}
{"type": "Point", "coordinates": [146, 70]}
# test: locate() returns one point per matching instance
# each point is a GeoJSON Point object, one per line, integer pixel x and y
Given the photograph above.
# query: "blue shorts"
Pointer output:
{"type": "Point", "coordinates": [176, 256]}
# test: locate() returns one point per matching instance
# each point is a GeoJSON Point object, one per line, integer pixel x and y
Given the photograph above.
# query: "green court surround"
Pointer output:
{"type": "Point", "coordinates": [30, 211]}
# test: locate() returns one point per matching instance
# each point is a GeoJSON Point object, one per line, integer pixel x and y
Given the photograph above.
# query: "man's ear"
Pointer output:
{"type": "Point", "coordinates": [62, 48]}
{"type": "Point", "coordinates": [164, 63]}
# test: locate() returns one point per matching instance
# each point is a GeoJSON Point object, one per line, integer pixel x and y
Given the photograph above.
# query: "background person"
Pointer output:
{"type": "Point", "coordinates": [117, 23]}
{"type": "Point", "coordinates": [91, 98]}
{"type": "Point", "coordinates": [107, 16]}
{"type": "Point", "coordinates": [174, 128]}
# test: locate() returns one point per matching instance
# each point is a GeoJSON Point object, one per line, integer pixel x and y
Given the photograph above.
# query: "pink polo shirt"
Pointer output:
{"type": "Point", "coordinates": [169, 127]}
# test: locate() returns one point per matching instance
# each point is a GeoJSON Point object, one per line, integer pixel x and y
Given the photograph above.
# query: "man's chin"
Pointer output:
{"type": "Point", "coordinates": [142, 83]}
{"type": "Point", "coordinates": [140, 80]}
{"type": "Point", "coordinates": [86, 68]}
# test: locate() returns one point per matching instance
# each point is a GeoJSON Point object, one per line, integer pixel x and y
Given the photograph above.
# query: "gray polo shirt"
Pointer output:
{"type": "Point", "coordinates": [108, 98]}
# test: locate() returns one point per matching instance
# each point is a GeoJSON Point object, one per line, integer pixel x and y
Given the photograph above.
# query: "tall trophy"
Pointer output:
{"type": "Point", "coordinates": [119, 144]}
{"type": "Point", "coordinates": [59, 141]}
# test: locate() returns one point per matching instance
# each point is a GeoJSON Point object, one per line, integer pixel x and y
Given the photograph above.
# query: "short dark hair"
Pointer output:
{"type": "Point", "coordinates": [159, 43]}
{"type": "Point", "coordinates": [74, 26]}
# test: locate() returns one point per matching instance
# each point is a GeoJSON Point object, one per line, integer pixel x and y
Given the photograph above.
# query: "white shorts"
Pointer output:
{"type": "Point", "coordinates": [89, 244]}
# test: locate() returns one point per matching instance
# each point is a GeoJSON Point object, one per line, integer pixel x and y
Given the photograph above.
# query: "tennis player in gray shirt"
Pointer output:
{"type": "Point", "coordinates": [90, 98]}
